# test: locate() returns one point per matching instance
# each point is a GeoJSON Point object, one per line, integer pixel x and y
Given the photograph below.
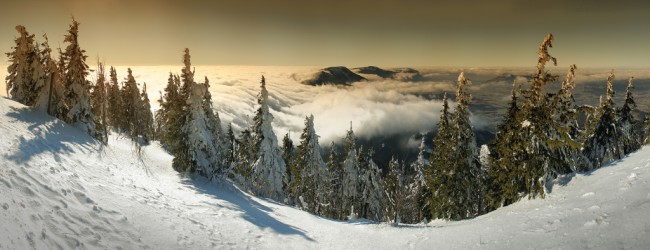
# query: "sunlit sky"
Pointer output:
{"type": "Point", "coordinates": [342, 32]}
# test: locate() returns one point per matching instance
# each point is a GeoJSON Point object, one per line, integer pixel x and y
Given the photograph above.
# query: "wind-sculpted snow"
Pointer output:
{"type": "Point", "coordinates": [60, 189]}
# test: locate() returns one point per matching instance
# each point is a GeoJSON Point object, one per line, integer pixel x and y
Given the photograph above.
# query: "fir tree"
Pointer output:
{"type": "Point", "coordinates": [439, 171]}
{"type": "Point", "coordinates": [629, 126]}
{"type": "Point", "coordinates": [394, 186]}
{"type": "Point", "coordinates": [145, 115]}
{"type": "Point", "coordinates": [312, 193]}
{"type": "Point", "coordinates": [99, 102]}
{"type": "Point", "coordinates": [605, 145]}
{"type": "Point", "coordinates": [505, 174]}
{"type": "Point", "coordinates": [335, 170]}
{"type": "Point", "coordinates": [77, 87]}
{"type": "Point", "coordinates": [350, 178]}
{"type": "Point", "coordinates": [230, 150]}
{"type": "Point", "coordinates": [26, 76]}
{"type": "Point", "coordinates": [114, 100]}
{"type": "Point", "coordinates": [51, 95]}
{"type": "Point", "coordinates": [269, 170]}
{"type": "Point", "coordinates": [467, 176]}
{"type": "Point", "coordinates": [420, 189]}
{"type": "Point", "coordinates": [293, 181]}
{"type": "Point", "coordinates": [372, 192]}
{"type": "Point", "coordinates": [646, 133]}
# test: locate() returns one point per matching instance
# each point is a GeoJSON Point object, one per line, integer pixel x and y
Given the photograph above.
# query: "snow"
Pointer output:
{"type": "Point", "coordinates": [61, 189]}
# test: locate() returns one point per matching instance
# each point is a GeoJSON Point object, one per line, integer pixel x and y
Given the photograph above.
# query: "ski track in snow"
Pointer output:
{"type": "Point", "coordinates": [62, 190]}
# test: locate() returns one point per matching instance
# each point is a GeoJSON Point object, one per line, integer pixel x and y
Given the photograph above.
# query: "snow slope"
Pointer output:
{"type": "Point", "coordinates": [61, 190]}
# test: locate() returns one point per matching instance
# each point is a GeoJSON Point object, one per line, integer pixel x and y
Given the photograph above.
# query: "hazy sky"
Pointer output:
{"type": "Point", "coordinates": [342, 32]}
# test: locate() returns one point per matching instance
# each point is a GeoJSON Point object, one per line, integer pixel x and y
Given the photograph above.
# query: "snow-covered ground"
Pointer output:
{"type": "Point", "coordinates": [59, 189]}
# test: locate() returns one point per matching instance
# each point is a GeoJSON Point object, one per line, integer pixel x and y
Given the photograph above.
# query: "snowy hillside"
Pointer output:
{"type": "Point", "coordinates": [59, 189]}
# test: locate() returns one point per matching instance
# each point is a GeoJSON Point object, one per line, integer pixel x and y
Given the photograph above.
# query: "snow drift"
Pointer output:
{"type": "Point", "coordinates": [59, 189]}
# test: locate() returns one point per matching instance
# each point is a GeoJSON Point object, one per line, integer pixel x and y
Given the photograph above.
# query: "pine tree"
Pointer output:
{"type": "Point", "coordinates": [26, 75]}
{"type": "Point", "coordinates": [467, 175]}
{"type": "Point", "coordinates": [421, 190]}
{"type": "Point", "coordinates": [98, 104]}
{"type": "Point", "coordinates": [114, 100]}
{"type": "Point", "coordinates": [230, 150]}
{"type": "Point", "coordinates": [335, 170]}
{"type": "Point", "coordinates": [630, 136]}
{"type": "Point", "coordinates": [394, 185]}
{"type": "Point", "coordinates": [439, 172]}
{"type": "Point", "coordinates": [646, 130]}
{"type": "Point", "coordinates": [291, 188]}
{"type": "Point", "coordinates": [170, 115]}
{"type": "Point", "coordinates": [130, 113]}
{"type": "Point", "coordinates": [605, 145]}
{"type": "Point", "coordinates": [269, 170]}
{"type": "Point", "coordinates": [314, 176]}
{"type": "Point", "coordinates": [77, 87]}
{"type": "Point", "coordinates": [145, 115]}
{"type": "Point", "coordinates": [350, 178]}
{"type": "Point", "coordinates": [505, 175]}
{"type": "Point", "coordinates": [372, 199]}
{"type": "Point", "coordinates": [50, 97]}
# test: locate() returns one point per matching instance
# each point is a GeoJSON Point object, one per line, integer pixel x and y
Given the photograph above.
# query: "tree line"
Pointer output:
{"type": "Point", "coordinates": [541, 137]}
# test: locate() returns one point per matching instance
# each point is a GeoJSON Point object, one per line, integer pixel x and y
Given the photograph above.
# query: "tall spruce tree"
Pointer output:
{"type": "Point", "coordinates": [606, 144]}
{"type": "Point", "coordinates": [630, 136]}
{"type": "Point", "coordinates": [505, 174]}
{"type": "Point", "coordinates": [77, 87]}
{"type": "Point", "coordinates": [439, 171]}
{"type": "Point", "coordinates": [288, 154]}
{"type": "Point", "coordinates": [335, 169]}
{"type": "Point", "coordinates": [99, 103]}
{"type": "Point", "coordinates": [51, 95]}
{"type": "Point", "coordinates": [114, 100]}
{"type": "Point", "coordinates": [269, 170]}
{"type": "Point", "coordinates": [145, 115]}
{"type": "Point", "coordinates": [372, 191]}
{"type": "Point", "coordinates": [467, 176]}
{"type": "Point", "coordinates": [395, 190]}
{"type": "Point", "coordinates": [421, 190]}
{"type": "Point", "coordinates": [314, 176]}
{"type": "Point", "coordinates": [26, 74]}
{"type": "Point", "coordinates": [350, 177]}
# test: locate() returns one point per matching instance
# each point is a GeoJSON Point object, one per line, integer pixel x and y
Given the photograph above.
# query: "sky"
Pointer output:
{"type": "Point", "coordinates": [342, 32]}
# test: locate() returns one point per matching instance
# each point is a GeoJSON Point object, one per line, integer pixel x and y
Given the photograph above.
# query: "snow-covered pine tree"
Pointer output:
{"type": "Point", "coordinates": [335, 169]}
{"type": "Point", "coordinates": [130, 96]}
{"type": "Point", "coordinates": [314, 176]}
{"type": "Point", "coordinates": [26, 74]}
{"type": "Point", "coordinates": [364, 183]}
{"type": "Point", "coordinates": [145, 115]}
{"type": "Point", "coordinates": [505, 180]}
{"type": "Point", "coordinates": [564, 131]}
{"type": "Point", "coordinates": [466, 184]}
{"type": "Point", "coordinates": [421, 191]}
{"type": "Point", "coordinates": [547, 142]}
{"type": "Point", "coordinates": [438, 176]}
{"type": "Point", "coordinates": [114, 100]}
{"type": "Point", "coordinates": [605, 145]}
{"type": "Point", "coordinates": [199, 134]}
{"type": "Point", "coordinates": [98, 103]}
{"type": "Point", "coordinates": [350, 178]}
{"type": "Point", "coordinates": [646, 129]}
{"type": "Point", "coordinates": [395, 190]}
{"type": "Point", "coordinates": [231, 155]}
{"type": "Point", "coordinates": [170, 115]}
{"type": "Point", "coordinates": [293, 187]}
{"type": "Point", "coordinates": [630, 136]}
{"type": "Point", "coordinates": [214, 126]}
{"type": "Point", "coordinates": [76, 85]}
{"type": "Point", "coordinates": [373, 192]}
{"type": "Point", "coordinates": [243, 172]}
{"type": "Point", "coordinates": [50, 97]}
{"type": "Point", "coordinates": [269, 170]}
